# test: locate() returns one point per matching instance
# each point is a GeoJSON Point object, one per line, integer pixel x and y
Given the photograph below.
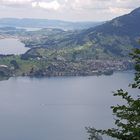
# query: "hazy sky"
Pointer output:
{"type": "Point", "coordinates": [72, 10]}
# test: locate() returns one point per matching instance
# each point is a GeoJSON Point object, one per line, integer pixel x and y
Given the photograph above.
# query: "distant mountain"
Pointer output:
{"type": "Point", "coordinates": [46, 23]}
{"type": "Point", "coordinates": [120, 32]}
{"type": "Point", "coordinates": [114, 38]}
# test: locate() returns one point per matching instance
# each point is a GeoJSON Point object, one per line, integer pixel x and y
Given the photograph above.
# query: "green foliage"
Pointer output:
{"type": "Point", "coordinates": [14, 63]}
{"type": "Point", "coordinates": [93, 134]}
{"type": "Point", "coordinates": [136, 57]}
{"type": "Point", "coordinates": [127, 116]}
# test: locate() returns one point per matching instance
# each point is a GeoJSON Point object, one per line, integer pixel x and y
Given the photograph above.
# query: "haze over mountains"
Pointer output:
{"type": "Point", "coordinates": [46, 23]}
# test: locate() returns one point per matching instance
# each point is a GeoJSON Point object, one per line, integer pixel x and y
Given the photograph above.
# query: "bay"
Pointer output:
{"type": "Point", "coordinates": [12, 46]}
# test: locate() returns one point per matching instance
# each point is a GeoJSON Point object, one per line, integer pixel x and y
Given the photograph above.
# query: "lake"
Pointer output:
{"type": "Point", "coordinates": [29, 28]}
{"type": "Point", "coordinates": [12, 46]}
{"type": "Point", "coordinates": [58, 108]}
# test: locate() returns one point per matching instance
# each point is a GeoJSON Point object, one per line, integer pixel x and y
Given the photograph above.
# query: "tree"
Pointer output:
{"type": "Point", "coordinates": [94, 134]}
{"type": "Point", "coordinates": [127, 115]}
{"type": "Point", "coordinates": [14, 63]}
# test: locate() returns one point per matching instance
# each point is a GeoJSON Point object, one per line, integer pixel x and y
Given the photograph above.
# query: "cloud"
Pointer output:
{"type": "Point", "coordinates": [69, 9]}
{"type": "Point", "coordinates": [74, 4]}
{"type": "Point", "coordinates": [117, 10]}
{"type": "Point", "coordinates": [53, 5]}
{"type": "Point", "coordinates": [10, 2]}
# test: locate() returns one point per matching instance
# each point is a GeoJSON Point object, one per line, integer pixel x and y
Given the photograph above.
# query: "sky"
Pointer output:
{"type": "Point", "coordinates": [69, 10]}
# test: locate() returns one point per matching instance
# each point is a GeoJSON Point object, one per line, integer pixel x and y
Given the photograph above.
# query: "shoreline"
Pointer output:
{"type": "Point", "coordinates": [64, 76]}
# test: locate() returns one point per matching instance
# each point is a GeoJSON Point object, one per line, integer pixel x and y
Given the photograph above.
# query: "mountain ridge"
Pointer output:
{"type": "Point", "coordinates": [117, 37]}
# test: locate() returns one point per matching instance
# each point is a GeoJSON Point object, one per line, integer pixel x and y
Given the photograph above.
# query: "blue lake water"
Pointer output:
{"type": "Point", "coordinates": [12, 46]}
{"type": "Point", "coordinates": [29, 29]}
{"type": "Point", "coordinates": [58, 108]}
